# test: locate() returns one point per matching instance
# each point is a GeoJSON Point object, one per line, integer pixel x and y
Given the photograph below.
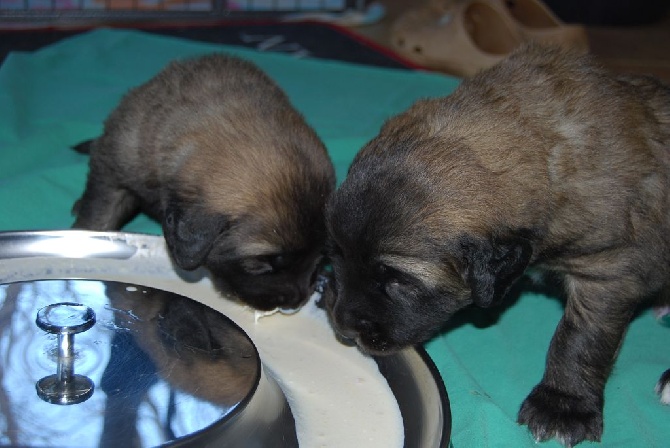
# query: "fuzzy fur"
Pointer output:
{"type": "Point", "coordinates": [545, 160]}
{"type": "Point", "coordinates": [212, 148]}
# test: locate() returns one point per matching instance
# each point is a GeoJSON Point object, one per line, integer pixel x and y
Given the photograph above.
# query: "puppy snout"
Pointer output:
{"type": "Point", "coordinates": [291, 299]}
{"type": "Point", "coordinates": [346, 337]}
{"type": "Point", "coordinates": [352, 325]}
{"type": "Point", "coordinates": [297, 294]}
{"type": "Point", "coordinates": [302, 290]}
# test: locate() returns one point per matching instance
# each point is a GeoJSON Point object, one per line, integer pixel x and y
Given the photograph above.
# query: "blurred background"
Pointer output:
{"type": "Point", "coordinates": [456, 37]}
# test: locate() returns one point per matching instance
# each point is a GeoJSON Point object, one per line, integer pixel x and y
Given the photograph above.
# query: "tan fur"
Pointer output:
{"type": "Point", "coordinates": [213, 149]}
{"type": "Point", "coordinates": [470, 154]}
{"type": "Point", "coordinates": [545, 160]}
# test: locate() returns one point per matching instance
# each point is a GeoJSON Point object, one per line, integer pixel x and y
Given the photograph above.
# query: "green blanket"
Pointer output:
{"type": "Point", "coordinates": [59, 96]}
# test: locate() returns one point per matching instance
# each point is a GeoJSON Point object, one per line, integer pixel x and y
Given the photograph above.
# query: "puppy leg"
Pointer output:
{"type": "Point", "coordinates": [104, 206]}
{"type": "Point", "coordinates": [663, 387]}
{"type": "Point", "coordinates": [568, 402]}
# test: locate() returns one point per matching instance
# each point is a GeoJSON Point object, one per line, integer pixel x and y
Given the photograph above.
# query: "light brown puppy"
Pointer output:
{"type": "Point", "coordinates": [545, 160]}
{"type": "Point", "coordinates": [212, 148]}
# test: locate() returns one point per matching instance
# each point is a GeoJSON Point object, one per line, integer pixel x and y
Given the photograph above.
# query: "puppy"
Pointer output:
{"type": "Point", "coordinates": [544, 160]}
{"type": "Point", "coordinates": [212, 148]}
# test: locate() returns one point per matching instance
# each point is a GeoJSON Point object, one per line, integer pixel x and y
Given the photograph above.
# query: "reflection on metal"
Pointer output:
{"type": "Point", "coordinates": [66, 243]}
{"type": "Point", "coordinates": [153, 368]}
{"type": "Point", "coordinates": [161, 387]}
{"type": "Point", "coordinates": [65, 319]}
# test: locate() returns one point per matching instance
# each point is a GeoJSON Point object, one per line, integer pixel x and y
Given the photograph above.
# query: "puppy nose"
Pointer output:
{"type": "Point", "coordinates": [346, 337]}
{"type": "Point", "coordinates": [293, 297]}
{"type": "Point", "coordinates": [287, 302]}
{"type": "Point", "coordinates": [353, 324]}
{"type": "Point", "coordinates": [366, 326]}
{"type": "Point", "coordinates": [348, 324]}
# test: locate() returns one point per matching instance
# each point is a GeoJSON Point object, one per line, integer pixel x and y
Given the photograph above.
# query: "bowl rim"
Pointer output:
{"type": "Point", "coordinates": [11, 242]}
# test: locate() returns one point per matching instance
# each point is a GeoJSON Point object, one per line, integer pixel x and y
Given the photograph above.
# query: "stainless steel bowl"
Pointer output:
{"type": "Point", "coordinates": [119, 341]}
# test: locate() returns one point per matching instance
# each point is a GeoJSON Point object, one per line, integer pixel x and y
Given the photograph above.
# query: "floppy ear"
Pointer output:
{"type": "Point", "coordinates": [493, 266]}
{"type": "Point", "coordinates": [190, 232]}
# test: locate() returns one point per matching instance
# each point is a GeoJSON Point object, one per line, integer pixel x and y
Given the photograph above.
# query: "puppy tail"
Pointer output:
{"type": "Point", "coordinates": [84, 147]}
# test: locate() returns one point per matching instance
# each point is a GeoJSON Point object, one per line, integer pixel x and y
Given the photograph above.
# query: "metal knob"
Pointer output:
{"type": "Point", "coordinates": [65, 320]}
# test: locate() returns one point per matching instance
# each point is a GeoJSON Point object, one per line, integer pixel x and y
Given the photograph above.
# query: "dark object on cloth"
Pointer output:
{"type": "Point", "coordinates": [610, 12]}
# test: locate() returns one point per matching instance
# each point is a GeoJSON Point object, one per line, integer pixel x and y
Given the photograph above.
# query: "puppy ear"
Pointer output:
{"type": "Point", "coordinates": [190, 232]}
{"type": "Point", "coordinates": [493, 266]}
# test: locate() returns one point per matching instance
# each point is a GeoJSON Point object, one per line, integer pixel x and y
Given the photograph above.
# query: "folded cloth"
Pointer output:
{"type": "Point", "coordinates": [56, 97]}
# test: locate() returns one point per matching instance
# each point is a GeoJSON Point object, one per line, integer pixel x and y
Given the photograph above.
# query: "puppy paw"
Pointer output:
{"type": "Point", "coordinates": [663, 315]}
{"type": "Point", "coordinates": [663, 387]}
{"type": "Point", "coordinates": [550, 413]}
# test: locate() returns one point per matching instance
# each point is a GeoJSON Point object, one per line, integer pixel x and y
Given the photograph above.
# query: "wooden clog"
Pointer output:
{"type": "Point", "coordinates": [457, 37]}
{"type": "Point", "coordinates": [536, 21]}
{"type": "Point", "coordinates": [462, 37]}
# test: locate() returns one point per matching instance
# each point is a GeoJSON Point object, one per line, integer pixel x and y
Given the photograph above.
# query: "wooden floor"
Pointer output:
{"type": "Point", "coordinates": [630, 49]}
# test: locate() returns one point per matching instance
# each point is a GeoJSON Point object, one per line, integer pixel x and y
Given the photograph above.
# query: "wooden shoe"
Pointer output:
{"type": "Point", "coordinates": [457, 37]}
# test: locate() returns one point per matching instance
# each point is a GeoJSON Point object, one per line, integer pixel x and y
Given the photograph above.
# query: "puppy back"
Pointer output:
{"type": "Point", "coordinates": [542, 137]}
{"type": "Point", "coordinates": [253, 154]}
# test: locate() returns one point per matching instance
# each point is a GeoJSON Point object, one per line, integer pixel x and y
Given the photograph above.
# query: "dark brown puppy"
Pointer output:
{"type": "Point", "coordinates": [545, 160]}
{"type": "Point", "coordinates": [212, 148]}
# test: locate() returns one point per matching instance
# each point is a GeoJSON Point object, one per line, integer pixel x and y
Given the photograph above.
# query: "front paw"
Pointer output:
{"type": "Point", "coordinates": [663, 387]}
{"type": "Point", "coordinates": [550, 413]}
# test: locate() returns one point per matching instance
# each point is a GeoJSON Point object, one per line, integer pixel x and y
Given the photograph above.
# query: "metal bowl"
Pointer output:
{"type": "Point", "coordinates": [95, 343]}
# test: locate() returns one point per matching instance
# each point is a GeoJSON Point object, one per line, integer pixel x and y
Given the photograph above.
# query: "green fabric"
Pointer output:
{"type": "Point", "coordinates": [59, 96]}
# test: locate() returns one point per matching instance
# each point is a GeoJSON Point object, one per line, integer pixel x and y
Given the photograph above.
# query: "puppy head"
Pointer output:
{"type": "Point", "coordinates": [408, 250]}
{"type": "Point", "coordinates": [269, 265]}
{"type": "Point", "coordinates": [258, 226]}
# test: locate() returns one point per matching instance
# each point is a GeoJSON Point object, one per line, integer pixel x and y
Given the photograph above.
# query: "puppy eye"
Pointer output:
{"type": "Point", "coordinates": [280, 261]}
{"type": "Point", "coordinates": [386, 277]}
{"type": "Point", "coordinates": [400, 291]}
{"type": "Point", "coordinates": [256, 266]}
{"type": "Point", "coordinates": [385, 274]}
{"type": "Point", "coordinates": [393, 282]}
{"type": "Point", "coordinates": [391, 287]}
